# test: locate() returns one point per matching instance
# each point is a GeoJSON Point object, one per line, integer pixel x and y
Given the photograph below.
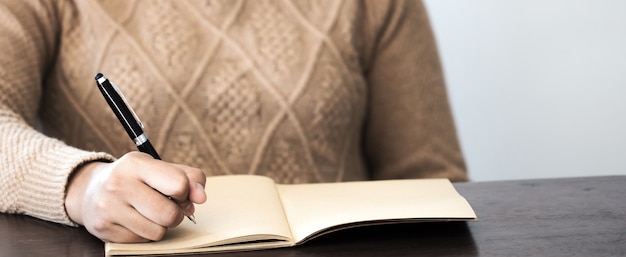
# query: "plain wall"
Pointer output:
{"type": "Point", "coordinates": [538, 87]}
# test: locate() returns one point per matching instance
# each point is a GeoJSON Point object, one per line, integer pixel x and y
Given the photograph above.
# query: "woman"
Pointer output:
{"type": "Point", "coordinates": [300, 91]}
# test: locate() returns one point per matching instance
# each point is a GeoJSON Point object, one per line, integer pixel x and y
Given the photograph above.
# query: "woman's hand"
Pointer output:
{"type": "Point", "coordinates": [126, 201]}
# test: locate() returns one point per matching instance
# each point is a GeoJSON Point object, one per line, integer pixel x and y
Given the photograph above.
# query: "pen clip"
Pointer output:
{"type": "Point", "coordinates": [132, 111]}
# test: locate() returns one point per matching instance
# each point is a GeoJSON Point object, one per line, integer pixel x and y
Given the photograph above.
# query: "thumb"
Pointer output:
{"type": "Point", "coordinates": [197, 193]}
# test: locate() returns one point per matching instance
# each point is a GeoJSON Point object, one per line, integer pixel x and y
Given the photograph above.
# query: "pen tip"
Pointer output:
{"type": "Point", "coordinates": [99, 75]}
{"type": "Point", "coordinates": [192, 218]}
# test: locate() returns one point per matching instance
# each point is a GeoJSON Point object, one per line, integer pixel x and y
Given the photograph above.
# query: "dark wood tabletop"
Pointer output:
{"type": "Point", "coordinates": [583, 216]}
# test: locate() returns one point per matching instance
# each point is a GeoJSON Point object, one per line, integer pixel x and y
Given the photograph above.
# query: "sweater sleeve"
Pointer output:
{"type": "Point", "coordinates": [409, 131]}
{"type": "Point", "coordinates": [34, 169]}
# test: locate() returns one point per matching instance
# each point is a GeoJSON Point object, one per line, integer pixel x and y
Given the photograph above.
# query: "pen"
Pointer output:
{"type": "Point", "coordinates": [129, 119]}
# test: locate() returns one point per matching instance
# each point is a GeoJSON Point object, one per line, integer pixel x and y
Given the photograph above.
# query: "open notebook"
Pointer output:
{"type": "Point", "coordinates": [246, 212]}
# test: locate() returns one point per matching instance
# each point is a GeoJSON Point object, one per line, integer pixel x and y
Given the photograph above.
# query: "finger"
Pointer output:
{"type": "Point", "coordinates": [182, 183]}
{"type": "Point", "coordinates": [140, 225]}
{"type": "Point", "coordinates": [173, 180]}
{"type": "Point", "coordinates": [164, 177]}
{"type": "Point", "coordinates": [194, 174]}
{"type": "Point", "coordinates": [119, 234]}
{"type": "Point", "coordinates": [197, 193]}
{"type": "Point", "coordinates": [155, 206]}
{"type": "Point", "coordinates": [197, 180]}
{"type": "Point", "coordinates": [111, 225]}
{"type": "Point", "coordinates": [103, 224]}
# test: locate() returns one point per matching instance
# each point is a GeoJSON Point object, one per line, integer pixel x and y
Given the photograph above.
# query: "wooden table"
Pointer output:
{"type": "Point", "coordinates": [546, 217]}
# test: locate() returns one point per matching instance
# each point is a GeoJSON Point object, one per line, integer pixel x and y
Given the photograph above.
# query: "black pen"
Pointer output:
{"type": "Point", "coordinates": [129, 119]}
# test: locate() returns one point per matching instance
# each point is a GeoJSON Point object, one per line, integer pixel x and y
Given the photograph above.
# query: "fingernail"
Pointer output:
{"type": "Point", "coordinates": [189, 210]}
{"type": "Point", "coordinates": [199, 186]}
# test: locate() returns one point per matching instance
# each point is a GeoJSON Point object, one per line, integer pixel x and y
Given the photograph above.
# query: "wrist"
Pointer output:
{"type": "Point", "coordinates": [76, 188]}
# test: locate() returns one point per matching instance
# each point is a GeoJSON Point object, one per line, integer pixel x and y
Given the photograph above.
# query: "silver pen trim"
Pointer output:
{"type": "Point", "coordinates": [140, 139]}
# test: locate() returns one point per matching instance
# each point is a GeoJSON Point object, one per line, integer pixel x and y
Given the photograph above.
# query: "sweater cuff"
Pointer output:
{"type": "Point", "coordinates": [44, 189]}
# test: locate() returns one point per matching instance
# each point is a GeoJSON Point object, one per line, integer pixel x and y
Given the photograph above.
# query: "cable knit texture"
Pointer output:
{"type": "Point", "coordinates": [301, 91]}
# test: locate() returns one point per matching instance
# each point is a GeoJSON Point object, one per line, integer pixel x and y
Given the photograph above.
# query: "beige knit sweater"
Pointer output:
{"type": "Point", "coordinates": [301, 91]}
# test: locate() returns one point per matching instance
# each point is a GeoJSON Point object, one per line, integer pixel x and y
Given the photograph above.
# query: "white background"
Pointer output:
{"type": "Point", "coordinates": [538, 87]}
